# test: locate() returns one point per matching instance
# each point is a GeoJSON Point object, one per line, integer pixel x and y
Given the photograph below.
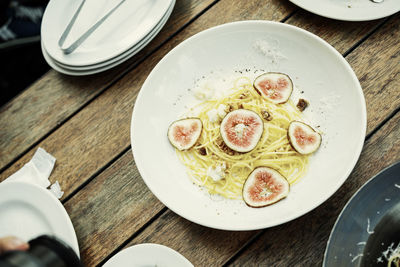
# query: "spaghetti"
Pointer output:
{"type": "Point", "coordinates": [273, 149]}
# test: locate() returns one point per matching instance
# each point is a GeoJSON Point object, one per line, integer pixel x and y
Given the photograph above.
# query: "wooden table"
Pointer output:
{"type": "Point", "coordinates": [85, 122]}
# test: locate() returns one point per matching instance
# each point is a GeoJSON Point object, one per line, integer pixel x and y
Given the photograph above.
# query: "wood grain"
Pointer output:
{"type": "Point", "coordinates": [342, 35]}
{"type": "Point", "coordinates": [376, 63]}
{"type": "Point", "coordinates": [302, 242]}
{"type": "Point", "coordinates": [202, 246]}
{"type": "Point", "coordinates": [100, 132]}
{"type": "Point", "coordinates": [110, 209]}
{"type": "Point", "coordinates": [55, 97]}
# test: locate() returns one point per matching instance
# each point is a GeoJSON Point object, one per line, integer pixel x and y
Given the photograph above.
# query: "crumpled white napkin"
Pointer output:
{"type": "Point", "coordinates": [37, 171]}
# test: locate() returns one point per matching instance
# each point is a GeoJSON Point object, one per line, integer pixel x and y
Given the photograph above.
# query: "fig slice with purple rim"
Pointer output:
{"type": "Point", "coordinates": [264, 186]}
{"type": "Point", "coordinates": [274, 86]}
{"type": "Point", "coordinates": [184, 133]}
{"type": "Point", "coordinates": [303, 138]}
{"type": "Point", "coordinates": [241, 130]}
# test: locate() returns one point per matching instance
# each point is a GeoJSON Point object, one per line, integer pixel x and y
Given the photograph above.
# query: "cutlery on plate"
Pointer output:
{"type": "Point", "coordinates": [85, 35]}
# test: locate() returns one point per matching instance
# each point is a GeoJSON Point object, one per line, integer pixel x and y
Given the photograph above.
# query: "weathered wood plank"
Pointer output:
{"type": "Point", "coordinates": [201, 245]}
{"type": "Point", "coordinates": [98, 133]}
{"type": "Point", "coordinates": [55, 97]}
{"type": "Point", "coordinates": [376, 63]}
{"type": "Point", "coordinates": [342, 35]}
{"type": "Point", "coordinates": [110, 209]}
{"type": "Point", "coordinates": [307, 236]}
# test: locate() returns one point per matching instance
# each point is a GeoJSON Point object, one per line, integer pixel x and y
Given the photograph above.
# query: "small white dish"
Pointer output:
{"type": "Point", "coordinates": [336, 104]}
{"type": "Point", "coordinates": [127, 26]}
{"type": "Point", "coordinates": [28, 211]}
{"type": "Point", "coordinates": [146, 255]}
{"type": "Point", "coordinates": [350, 10]}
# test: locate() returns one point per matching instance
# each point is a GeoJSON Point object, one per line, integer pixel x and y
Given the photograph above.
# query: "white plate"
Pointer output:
{"type": "Point", "coordinates": [315, 66]}
{"type": "Point", "coordinates": [28, 211]}
{"type": "Point", "coordinates": [103, 66]}
{"type": "Point", "coordinates": [148, 255]}
{"type": "Point", "coordinates": [128, 53]}
{"type": "Point", "coordinates": [350, 10]}
{"type": "Point", "coordinates": [127, 26]}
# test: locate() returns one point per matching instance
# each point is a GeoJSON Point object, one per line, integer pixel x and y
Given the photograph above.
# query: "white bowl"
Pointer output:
{"type": "Point", "coordinates": [337, 106]}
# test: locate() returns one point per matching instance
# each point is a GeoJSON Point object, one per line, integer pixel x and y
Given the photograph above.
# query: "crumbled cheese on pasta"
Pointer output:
{"type": "Point", "coordinates": [213, 115]}
{"type": "Point", "coordinates": [217, 173]}
{"type": "Point", "coordinates": [222, 110]}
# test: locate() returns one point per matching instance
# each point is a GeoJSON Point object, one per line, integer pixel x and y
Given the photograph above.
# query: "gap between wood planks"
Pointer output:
{"type": "Point", "coordinates": [257, 235]}
{"type": "Point", "coordinates": [113, 82]}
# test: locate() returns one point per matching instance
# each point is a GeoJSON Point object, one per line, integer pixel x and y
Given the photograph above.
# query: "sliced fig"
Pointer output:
{"type": "Point", "coordinates": [303, 138]}
{"type": "Point", "coordinates": [183, 134]}
{"type": "Point", "coordinates": [274, 86]}
{"type": "Point", "coordinates": [241, 130]}
{"type": "Point", "coordinates": [264, 186]}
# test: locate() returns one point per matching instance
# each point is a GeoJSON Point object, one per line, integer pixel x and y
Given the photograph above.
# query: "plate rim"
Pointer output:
{"type": "Point", "coordinates": [126, 54]}
{"type": "Point", "coordinates": [349, 202]}
{"type": "Point", "coordinates": [104, 58]}
{"type": "Point", "coordinates": [290, 218]}
{"type": "Point", "coordinates": [152, 245]}
{"type": "Point", "coordinates": [113, 63]}
{"type": "Point", "coordinates": [20, 186]}
{"type": "Point", "coordinates": [300, 4]}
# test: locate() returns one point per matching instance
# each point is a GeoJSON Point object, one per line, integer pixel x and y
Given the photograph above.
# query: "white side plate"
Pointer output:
{"type": "Point", "coordinates": [127, 26]}
{"type": "Point", "coordinates": [128, 53]}
{"type": "Point", "coordinates": [28, 211]}
{"type": "Point", "coordinates": [350, 10]}
{"type": "Point", "coordinates": [148, 255]}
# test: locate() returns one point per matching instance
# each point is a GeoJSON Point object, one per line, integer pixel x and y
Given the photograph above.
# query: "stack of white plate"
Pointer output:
{"type": "Point", "coordinates": [124, 33]}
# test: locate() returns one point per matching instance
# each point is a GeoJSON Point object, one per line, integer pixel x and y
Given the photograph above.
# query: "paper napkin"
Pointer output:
{"type": "Point", "coordinates": [37, 171]}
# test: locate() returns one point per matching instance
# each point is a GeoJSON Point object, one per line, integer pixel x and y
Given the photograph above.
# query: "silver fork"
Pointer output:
{"type": "Point", "coordinates": [85, 35]}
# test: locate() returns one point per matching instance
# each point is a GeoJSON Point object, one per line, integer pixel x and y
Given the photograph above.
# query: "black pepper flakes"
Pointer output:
{"type": "Point", "coordinates": [202, 151]}
{"type": "Point", "coordinates": [266, 115]}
